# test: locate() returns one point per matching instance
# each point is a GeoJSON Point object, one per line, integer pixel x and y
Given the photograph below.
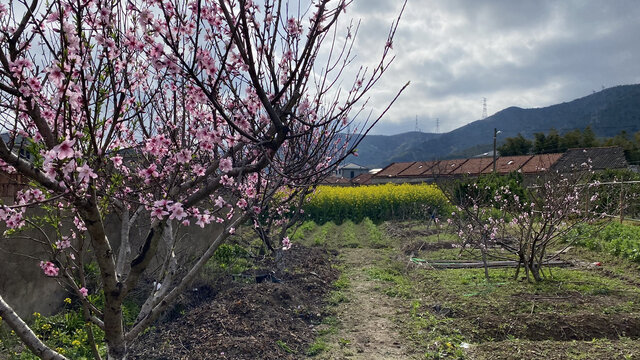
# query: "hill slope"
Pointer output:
{"type": "Point", "coordinates": [607, 112]}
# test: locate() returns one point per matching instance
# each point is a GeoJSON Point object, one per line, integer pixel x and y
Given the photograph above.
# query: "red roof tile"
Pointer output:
{"type": "Point", "coordinates": [473, 166]}
{"type": "Point", "coordinates": [417, 168]}
{"type": "Point", "coordinates": [335, 180]}
{"type": "Point", "coordinates": [393, 170]}
{"type": "Point", "coordinates": [445, 167]}
{"type": "Point", "coordinates": [507, 164]}
{"type": "Point", "coordinates": [541, 162]}
{"type": "Point", "coordinates": [362, 179]}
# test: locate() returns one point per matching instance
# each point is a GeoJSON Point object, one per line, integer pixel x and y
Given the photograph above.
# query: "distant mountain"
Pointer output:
{"type": "Point", "coordinates": [607, 112]}
{"type": "Point", "coordinates": [374, 150]}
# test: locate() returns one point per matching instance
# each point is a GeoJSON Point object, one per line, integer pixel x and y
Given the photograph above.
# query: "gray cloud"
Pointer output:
{"type": "Point", "coordinates": [514, 53]}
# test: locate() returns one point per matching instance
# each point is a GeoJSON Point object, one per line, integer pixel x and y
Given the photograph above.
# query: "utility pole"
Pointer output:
{"type": "Point", "coordinates": [495, 135]}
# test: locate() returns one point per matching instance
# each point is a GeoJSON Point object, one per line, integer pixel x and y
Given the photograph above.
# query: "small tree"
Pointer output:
{"type": "Point", "coordinates": [526, 225]}
{"type": "Point", "coordinates": [184, 113]}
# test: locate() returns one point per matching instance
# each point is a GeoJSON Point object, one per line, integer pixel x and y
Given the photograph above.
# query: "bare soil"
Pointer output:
{"type": "Point", "coordinates": [235, 320]}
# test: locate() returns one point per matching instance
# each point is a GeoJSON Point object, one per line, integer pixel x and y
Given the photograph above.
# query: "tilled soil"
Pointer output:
{"type": "Point", "coordinates": [267, 320]}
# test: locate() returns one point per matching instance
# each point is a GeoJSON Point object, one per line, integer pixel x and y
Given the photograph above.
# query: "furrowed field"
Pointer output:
{"type": "Point", "coordinates": [377, 202]}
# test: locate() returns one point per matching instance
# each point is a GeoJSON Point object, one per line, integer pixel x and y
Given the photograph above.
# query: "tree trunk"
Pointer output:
{"type": "Point", "coordinates": [486, 266]}
{"type": "Point", "coordinates": [113, 289]}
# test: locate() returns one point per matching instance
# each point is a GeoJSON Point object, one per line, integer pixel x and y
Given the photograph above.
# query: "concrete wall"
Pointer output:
{"type": "Point", "coordinates": [24, 286]}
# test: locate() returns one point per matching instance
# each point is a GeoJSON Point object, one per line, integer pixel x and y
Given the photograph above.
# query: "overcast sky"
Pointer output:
{"type": "Point", "coordinates": [529, 54]}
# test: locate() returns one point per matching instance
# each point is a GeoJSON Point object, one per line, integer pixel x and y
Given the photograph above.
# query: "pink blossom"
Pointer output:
{"type": "Point", "coordinates": [83, 290]}
{"type": "Point", "coordinates": [117, 160]}
{"type": "Point", "coordinates": [226, 165]}
{"type": "Point", "coordinates": [183, 156]}
{"type": "Point", "coordinates": [56, 75]}
{"type": "Point", "coordinates": [65, 149]}
{"type": "Point", "coordinates": [85, 173]}
{"type": "Point", "coordinates": [203, 220]}
{"type": "Point", "coordinates": [63, 244]}
{"type": "Point", "coordinates": [242, 203]}
{"type": "Point", "coordinates": [159, 212]}
{"type": "Point", "coordinates": [286, 243]}
{"type": "Point", "coordinates": [226, 180]}
{"type": "Point", "coordinates": [150, 172]}
{"type": "Point", "coordinates": [177, 212]}
{"type": "Point", "coordinates": [293, 27]}
{"type": "Point", "coordinates": [199, 170]}
{"type": "Point", "coordinates": [49, 268]}
{"type": "Point", "coordinates": [79, 224]}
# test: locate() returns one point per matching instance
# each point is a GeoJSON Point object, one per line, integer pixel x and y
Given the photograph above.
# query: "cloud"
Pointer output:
{"type": "Point", "coordinates": [514, 53]}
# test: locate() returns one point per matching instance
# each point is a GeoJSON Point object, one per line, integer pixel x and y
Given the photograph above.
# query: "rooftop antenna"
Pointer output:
{"type": "Point", "coordinates": [484, 108]}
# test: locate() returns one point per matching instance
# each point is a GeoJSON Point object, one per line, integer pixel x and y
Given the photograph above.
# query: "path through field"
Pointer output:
{"type": "Point", "coordinates": [367, 329]}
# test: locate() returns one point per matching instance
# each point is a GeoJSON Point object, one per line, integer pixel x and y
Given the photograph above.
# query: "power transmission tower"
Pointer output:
{"type": "Point", "coordinates": [417, 129]}
{"type": "Point", "coordinates": [437, 125]}
{"type": "Point", "coordinates": [484, 108]}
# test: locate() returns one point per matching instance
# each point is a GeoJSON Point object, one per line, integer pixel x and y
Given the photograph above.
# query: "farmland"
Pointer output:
{"type": "Point", "coordinates": [376, 202]}
{"type": "Point", "coordinates": [388, 307]}
{"type": "Point", "coordinates": [362, 288]}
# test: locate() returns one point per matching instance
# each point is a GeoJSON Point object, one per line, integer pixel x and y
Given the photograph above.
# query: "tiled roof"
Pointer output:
{"type": "Point", "coordinates": [507, 164]}
{"type": "Point", "coordinates": [539, 163]}
{"type": "Point", "coordinates": [445, 167]}
{"type": "Point", "coordinates": [362, 179]}
{"type": "Point", "coordinates": [353, 166]}
{"type": "Point", "coordinates": [597, 158]}
{"type": "Point", "coordinates": [473, 166]}
{"type": "Point", "coordinates": [335, 180]}
{"type": "Point", "coordinates": [393, 170]}
{"type": "Point", "coordinates": [417, 168]}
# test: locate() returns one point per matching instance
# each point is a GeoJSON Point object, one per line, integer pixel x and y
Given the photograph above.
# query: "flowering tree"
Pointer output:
{"type": "Point", "coordinates": [524, 221]}
{"type": "Point", "coordinates": [184, 113]}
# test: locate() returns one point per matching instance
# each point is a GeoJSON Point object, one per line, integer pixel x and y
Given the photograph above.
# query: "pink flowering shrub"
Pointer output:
{"type": "Point", "coordinates": [495, 219]}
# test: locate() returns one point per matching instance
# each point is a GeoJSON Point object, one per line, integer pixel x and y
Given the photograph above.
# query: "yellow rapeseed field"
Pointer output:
{"type": "Point", "coordinates": [377, 202]}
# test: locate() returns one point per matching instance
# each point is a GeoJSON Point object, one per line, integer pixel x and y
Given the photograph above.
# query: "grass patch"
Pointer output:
{"type": "Point", "coordinates": [349, 238]}
{"type": "Point", "coordinates": [320, 238]}
{"type": "Point", "coordinates": [400, 284]}
{"type": "Point", "coordinates": [377, 239]}
{"type": "Point", "coordinates": [282, 345]}
{"type": "Point", "coordinates": [303, 231]}
{"type": "Point", "coordinates": [439, 338]}
{"type": "Point", "coordinates": [337, 297]}
{"type": "Point", "coordinates": [317, 348]}
{"type": "Point", "coordinates": [343, 282]}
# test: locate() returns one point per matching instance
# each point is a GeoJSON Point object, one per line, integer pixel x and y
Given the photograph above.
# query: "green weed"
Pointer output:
{"type": "Point", "coordinates": [317, 347]}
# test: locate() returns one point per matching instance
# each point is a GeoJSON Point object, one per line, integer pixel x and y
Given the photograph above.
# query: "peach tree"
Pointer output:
{"type": "Point", "coordinates": [186, 113]}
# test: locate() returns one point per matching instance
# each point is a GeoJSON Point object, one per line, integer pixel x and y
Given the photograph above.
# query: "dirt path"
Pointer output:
{"type": "Point", "coordinates": [367, 329]}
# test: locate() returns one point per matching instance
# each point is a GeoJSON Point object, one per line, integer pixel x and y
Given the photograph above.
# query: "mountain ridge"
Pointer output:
{"type": "Point", "coordinates": [607, 112]}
